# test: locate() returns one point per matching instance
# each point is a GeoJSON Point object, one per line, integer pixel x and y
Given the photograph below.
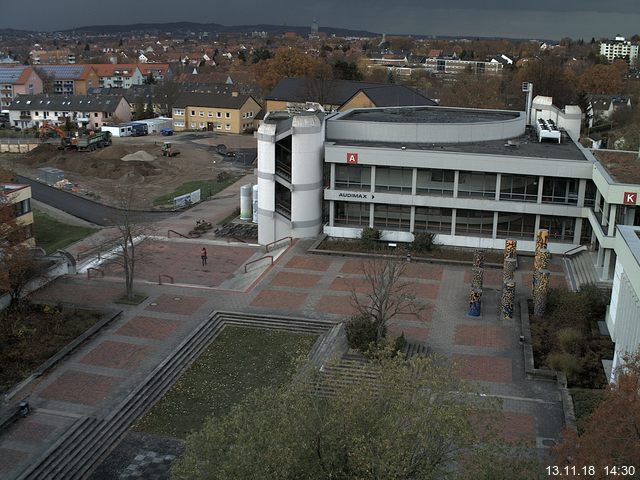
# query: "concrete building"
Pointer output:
{"type": "Point", "coordinates": [619, 47]}
{"type": "Point", "coordinates": [91, 112]}
{"type": "Point", "coordinates": [17, 80]}
{"type": "Point", "coordinates": [473, 177]}
{"type": "Point", "coordinates": [18, 197]}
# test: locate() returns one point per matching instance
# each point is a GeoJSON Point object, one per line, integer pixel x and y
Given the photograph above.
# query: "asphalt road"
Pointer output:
{"type": "Point", "coordinates": [84, 208]}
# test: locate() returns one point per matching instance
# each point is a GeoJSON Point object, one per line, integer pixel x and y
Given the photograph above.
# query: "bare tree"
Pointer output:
{"type": "Point", "coordinates": [131, 233]}
{"type": "Point", "coordinates": [387, 294]}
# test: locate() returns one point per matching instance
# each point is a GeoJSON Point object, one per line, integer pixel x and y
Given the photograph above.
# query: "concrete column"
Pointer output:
{"type": "Point", "coordinates": [536, 226]}
{"type": "Point", "coordinates": [456, 179]}
{"type": "Point", "coordinates": [412, 221]}
{"type": "Point", "coordinates": [606, 265]}
{"type": "Point", "coordinates": [596, 206]}
{"type": "Point", "coordinates": [453, 222]}
{"type": "Point", "coordinates": [497, 197]}
{"type": "Point", "coordinates": [582, 188]}
{"type": "Point", "coordinates": [371, 215]}
{"type": "Point", "coordinates": [332, 179]}
{"type": "Point", "coordinates": [599, 257]}
{"type": "Point", "coordinates": [605, 214]}
{"type": "Point", "coordinates": [613, 209]}
{"type": "Point", "coordinates": [373, 179]}
{"type": "Point", "coordinates": [494, 232]}
{"type": "Point", "coordinates": [629, 215]}
{"type": "Point", "coordinates": [577, 231]}
{"type": "Point", "coordinates": [540, 186]}
{"type": "Point", "coordinates": [414, 182]}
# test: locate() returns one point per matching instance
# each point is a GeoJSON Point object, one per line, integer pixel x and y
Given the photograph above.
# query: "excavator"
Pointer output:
{"type": "Point", "coordinates": [65, 140]}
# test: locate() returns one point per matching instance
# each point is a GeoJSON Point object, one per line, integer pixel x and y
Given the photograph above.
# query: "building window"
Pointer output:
{"type": "Point", "coordinates": [523, 188]}
{"type": "Point", "coordinates": [428, 219]}
{"type": "Point", "coordinates": [209, 114]}
{"type": "Point", "coordinates": [194, 125]}
{"type": "Point", "coordinates": [227, 115]}
{"type": "Point", "coordinates": [474, 222]}
{"type": "Point", "coordinates": [95, 114]}
{"type": "Point", "coordinates": [201, 124]}
{"type": "Point", "coordinates": [590, 194]}
{"type": "Point", "coordinates": [477, 184]}
{"type": "Point", "coordinates": [560, 190]}
{"type": "Point", "coordinates": [193, 113]}
{"type": "Point", "coordinates": [23, 207]}
{"type": "Point", "coordinates": [394, 179]}
{"type": "Point", "coordinates": [516, 225]}
{"type": "Point", "coordinates": [218, 126]}
{"type": "Point", "coordinates": [351, 214]}
{"type": "Point", "coordinates": [392, 217]}
{"type": "Point", "coordinates": [218, 115]}
{"type": "Point", "coordinates": [179, 113]}
{"type": "Point", "coordinates": [356, 177]}
{"type": "Point", "coordinates": [435, 182]}
{"type": "Point", "coordinates": [201, 114]}
{"type": "Point", "coordinates": [227, 127]}
{"type": "Point", "coordinates": [561, 229]}
{"type": "Point", "coordinates": [178, 124]}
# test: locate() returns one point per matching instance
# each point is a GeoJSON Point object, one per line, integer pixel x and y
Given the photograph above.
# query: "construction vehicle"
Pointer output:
{"type": "Point", "coordinates": [47, 128]}
{"type": "Point", "coordinates": [168, 150]}
{"type": "Point", "coordinates": [92, 141]}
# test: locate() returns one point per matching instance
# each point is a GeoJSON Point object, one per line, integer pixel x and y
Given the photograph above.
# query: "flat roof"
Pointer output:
{"type": "Point", "coordinates": [429, 115]}
{"type": "Point", "coordinates": [624, 167]}
{"type": "Point", "coordinates": [526, 145]}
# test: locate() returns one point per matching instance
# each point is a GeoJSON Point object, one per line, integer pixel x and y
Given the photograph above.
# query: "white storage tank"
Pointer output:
{"type": "Point", "coordinates": [245, 202]}
{"type": "Point", "coordinates": [255, 204]}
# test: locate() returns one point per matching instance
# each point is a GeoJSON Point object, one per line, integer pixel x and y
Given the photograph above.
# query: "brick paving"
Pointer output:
{"type": "Point", "coordinates": [555, 280]}
{"type": "Point", "coordinates": [296, 280]}
{"type": "Point", "coordinates": [275, 299]}
{"type": "Point", "coordinates": [491, 277]}
{"type": "Point", "coordinates": [30, 430]}
{"type": "Point", "coordinates": [9, 458]}
{"type": "Point", "coordinates": [79, 291]}
{"type": "Point", "coordinates": [413, 333]}
{"type": "Point", "coordinates": [357, 284]}
{"type": "Point", "coordinates": [422, 271]}
{"type": "Point", "coordinates": [338, 305]}
{"type": "Point", "coordinates": [482, 336]}
{"type": "Point", "coordinates": [116, 355]}
{"type": "Point", "coordinates": [319, 264]}
{"type": "Point", "coordinates": [149, 327]}
{"type": "Point", "coordinates": [483, 368]}
{"type": "Point", "coordinates": [176, 304]}
{"type": "Point", "coordinates": [80, 387]}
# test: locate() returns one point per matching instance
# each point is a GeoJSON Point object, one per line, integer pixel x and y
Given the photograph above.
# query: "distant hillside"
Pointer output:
{"type": "Point", "coordinates": [212, 28]}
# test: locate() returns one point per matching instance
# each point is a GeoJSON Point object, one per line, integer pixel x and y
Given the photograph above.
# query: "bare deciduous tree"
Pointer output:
{"type": "Point", "coordinates": [387, 293]}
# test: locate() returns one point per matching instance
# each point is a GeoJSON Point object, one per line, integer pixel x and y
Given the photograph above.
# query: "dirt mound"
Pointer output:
{"type": "Point", "coordinates": [90, 163]}
{"type": "Point", "coordinates": [139, 156]}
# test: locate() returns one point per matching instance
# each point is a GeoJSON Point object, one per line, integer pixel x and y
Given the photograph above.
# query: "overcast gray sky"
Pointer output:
{"type": "Point", "coordinates": [507, 18]}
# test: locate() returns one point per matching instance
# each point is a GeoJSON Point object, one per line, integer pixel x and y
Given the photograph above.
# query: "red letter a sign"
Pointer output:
{"type": "Point", "coordinates": [352, 158]}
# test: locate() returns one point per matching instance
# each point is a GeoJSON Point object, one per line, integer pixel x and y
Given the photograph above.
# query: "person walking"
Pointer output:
{"type": "Point", "coordinates": [203, 256]}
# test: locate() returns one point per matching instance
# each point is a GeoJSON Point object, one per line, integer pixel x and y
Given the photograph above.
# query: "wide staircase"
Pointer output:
{"type": "Point", "coordinates": [581, 271]}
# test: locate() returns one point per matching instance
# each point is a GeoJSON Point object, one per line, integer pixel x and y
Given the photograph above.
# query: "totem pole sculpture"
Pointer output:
{"type": "Point", "coordinates": [508, 282]}
{"type": "Point", "coordinates": [477, 278]}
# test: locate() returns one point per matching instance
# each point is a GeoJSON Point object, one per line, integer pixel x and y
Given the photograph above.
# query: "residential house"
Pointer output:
{"type": "Point", "coordinates": [88, 111]}
{"type": "Point", "coordinates": [19, 196]}
{"type": "Point", "coordinates": [68, 79]}
{"type": "Point", "coordinates": [619, 48]}
{"type": "Point", "coordinates": [601, 107]}
{"type": "Point", "coordinates": [340, 95]}
{"type": "Point", "coordinates": [233, 113]}
{"type": "Point", "coordinates": [18, 80]}
{"type": "Point", "coordinates": [118, 76]}
{"type": "Point", "coordinates": [59, 56]}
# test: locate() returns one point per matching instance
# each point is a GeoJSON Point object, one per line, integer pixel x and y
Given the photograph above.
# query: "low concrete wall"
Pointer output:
{"type": "Point", "coordinates": [18, 146]}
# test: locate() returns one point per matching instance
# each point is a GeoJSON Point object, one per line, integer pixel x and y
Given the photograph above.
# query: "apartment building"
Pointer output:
{"type": "Point", "coordinates": [68, 79]}
{"type": "Point", "coordinates": [619, 47]}
{"type": "Point", "coordinates": [18, 80]}
{"type": "Point", "coordinates": [472, 177]}
{"type": "Point", "coordinates": [232, 113]}
{"type": "Point", "coordinates": [86, 111]}
{"type": "Point", "coordinates": [18, 199]}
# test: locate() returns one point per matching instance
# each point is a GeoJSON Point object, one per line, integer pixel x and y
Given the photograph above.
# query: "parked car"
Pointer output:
{"type": "Point", "coordinates": [166, 132]}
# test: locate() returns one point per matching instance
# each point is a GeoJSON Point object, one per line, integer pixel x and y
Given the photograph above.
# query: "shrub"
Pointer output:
{"type": "Point", "coordinates": [564, 362]}
{"type": "Point", "coordinates": [570, 340]}
{"type": "Point", "coordinates": [361, 332]}
{"type": "Point", "coordinates": [423, 242]}
{"type": "Point", "coordinates": [369, 237]}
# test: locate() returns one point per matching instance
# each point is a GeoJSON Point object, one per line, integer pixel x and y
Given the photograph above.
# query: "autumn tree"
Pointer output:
{"type": "Point", "coordinates": [550, 77]}
{"type": "Point", "coordinates": [287, 62]}
{"type": "Point", "coordinates": [611, 435]}
{"type": "Point", "coordinates": [473, 90]}
{"type": "Point", "coordinates": [604, 79]}
{"type": "Point", "coordinates": [398, 420]}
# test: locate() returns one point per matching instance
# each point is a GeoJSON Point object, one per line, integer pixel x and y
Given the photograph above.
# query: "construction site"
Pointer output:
{"type": "Point", "coordinates": [155, 168]}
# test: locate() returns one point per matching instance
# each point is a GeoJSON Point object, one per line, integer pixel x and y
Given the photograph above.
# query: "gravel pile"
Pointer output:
{"type": "Point", "coordinates": [139, 156]}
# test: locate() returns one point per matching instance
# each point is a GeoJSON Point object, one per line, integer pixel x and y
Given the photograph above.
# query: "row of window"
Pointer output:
{"type": "Point", "coordinates": [200, 113]}
{"type": "Point", "coordinates": [439, 220]}
{"type": "Point", "coordinates": [523, 188]}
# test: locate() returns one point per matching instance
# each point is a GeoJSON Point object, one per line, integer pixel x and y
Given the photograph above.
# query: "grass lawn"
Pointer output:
{"type": "Point", "coordinates": [53, 235]}
{"type": "Point", "coordinates": [31, 336]}
{"type": "Point", "coordinates": [207, 188]}
{"type": "Point", "coordinates": [236, 363]}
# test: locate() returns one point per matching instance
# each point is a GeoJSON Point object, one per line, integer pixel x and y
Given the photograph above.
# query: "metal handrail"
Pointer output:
{"type": "Point", "coordinates": [177, 233]}
{"type": "Point", "coordinates": [99, 270]}
{"type": "Point", "coordinates": [572, 250]}
{"type": "Point", "coordinates": [266, 247]}
{"type": "Point", "coordinates": [257, 260]}
{"type": "Point", "coordinates": [164, 275]}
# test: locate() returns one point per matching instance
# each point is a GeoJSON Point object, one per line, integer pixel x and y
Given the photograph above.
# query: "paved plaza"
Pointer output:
{"type": "Point", "coordinates": [105, 369]}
